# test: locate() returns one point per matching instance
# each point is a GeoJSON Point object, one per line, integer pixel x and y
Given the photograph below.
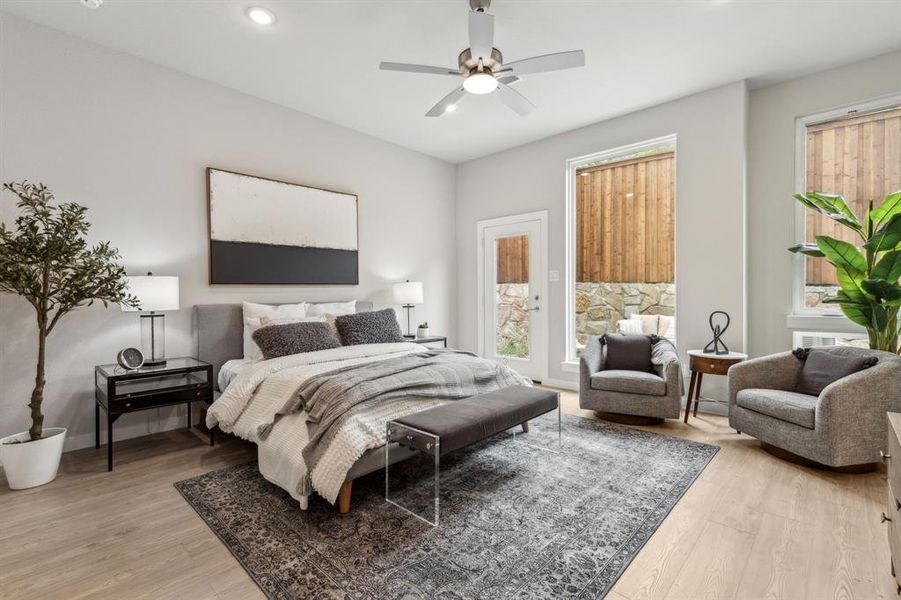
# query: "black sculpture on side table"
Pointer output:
{"type": "Point", "coordinates": [714, 346]}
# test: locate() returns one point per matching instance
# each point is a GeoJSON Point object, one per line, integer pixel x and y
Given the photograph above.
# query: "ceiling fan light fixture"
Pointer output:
{"type": "Point", "coordinates": [480, 83]}
{"type": "Point", "coordinates": [260, 16]}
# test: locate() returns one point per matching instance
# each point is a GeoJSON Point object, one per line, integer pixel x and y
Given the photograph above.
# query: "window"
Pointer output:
{"type": "Point", "coordinates": [620, 241]}
{"type": "Point", "coordinates": [854, 152]}
{"type": "Point", "coordinates": [512, 296]}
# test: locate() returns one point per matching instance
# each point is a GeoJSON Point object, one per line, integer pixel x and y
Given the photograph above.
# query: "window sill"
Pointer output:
{"type": "Point", "coordinates": [831, 323]}
{"type": "Point", "coordinates": [569, 366]}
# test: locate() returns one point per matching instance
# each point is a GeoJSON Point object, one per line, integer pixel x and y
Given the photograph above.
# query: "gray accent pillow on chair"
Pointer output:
{"type": "Point", "coordinates": [627, 352]}
{"type": "Point", "coordinates": [822, 368]}
{"type": "Point", "coordinates": [375, 327]}
{"type": "Point", "coordinates": [295, 338]}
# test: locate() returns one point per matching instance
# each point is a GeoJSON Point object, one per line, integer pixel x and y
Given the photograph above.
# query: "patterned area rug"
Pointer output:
{"type": "Point", "coordinates": [516, 521]}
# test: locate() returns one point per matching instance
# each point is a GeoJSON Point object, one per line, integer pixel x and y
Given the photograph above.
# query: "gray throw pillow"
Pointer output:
{"type": "Point", "coordinates": [627, 352]}
{"type": "Point", "coordinates": [375, 327]}
{"type": "Point", "coordinates": [295, 338]}
{"type": "Point", "coordinates": [822, 368]}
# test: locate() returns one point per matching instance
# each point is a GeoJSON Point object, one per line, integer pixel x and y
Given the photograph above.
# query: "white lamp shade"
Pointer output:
{"type": "Point", "coordinates": [155, 293]}
{"type": "Point", "coordinates": [408, 292]}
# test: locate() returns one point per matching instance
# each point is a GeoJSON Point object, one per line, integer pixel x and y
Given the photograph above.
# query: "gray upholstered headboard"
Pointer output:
{"type": "Point", "coordinates": [219, 333]}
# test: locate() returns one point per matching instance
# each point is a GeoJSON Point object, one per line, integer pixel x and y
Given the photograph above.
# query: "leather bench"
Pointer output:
{"type": "Point", "coordinates": [443, 429]}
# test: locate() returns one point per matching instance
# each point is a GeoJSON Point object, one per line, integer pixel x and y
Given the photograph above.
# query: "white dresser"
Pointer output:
{"type": "Point", "coordinates": [892, 514]}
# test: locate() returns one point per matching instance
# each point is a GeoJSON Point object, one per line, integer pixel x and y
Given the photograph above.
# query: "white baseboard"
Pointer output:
{"type": "Point", "coordinates": [561, 383]}
{"type": "Point", "coordinates": [132, 426]}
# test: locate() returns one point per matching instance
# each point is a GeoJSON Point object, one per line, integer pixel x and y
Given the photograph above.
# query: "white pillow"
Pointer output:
{"type": "Point", "coordinates": [670, 330]}
{"type": "Point", "coordinates": [332, 308]}
{"type": "Point", "coordinates": [628, 326]}
{"type": "Point", "coordinates": [253, 313]}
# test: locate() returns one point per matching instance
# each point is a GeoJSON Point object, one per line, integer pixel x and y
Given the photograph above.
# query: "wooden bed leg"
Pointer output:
{"type": "Point", "coordinates": [344, 497]}
{"type": "Point", "coordinates": [525, 427]}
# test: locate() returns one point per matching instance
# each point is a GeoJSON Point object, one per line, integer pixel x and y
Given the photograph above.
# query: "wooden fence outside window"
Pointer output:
{"type": "Point", "coordinates": [625, 220]}
{"type": "Point", "coordinates": [859, 158]}
{"type": "Point", "coordinates": [513, 259]}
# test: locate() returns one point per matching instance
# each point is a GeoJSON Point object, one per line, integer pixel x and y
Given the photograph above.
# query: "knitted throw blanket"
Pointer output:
{"type": "Point", "coordinates": [330, 398]}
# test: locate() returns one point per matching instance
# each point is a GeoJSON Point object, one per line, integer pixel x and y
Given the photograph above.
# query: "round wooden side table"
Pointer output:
{"type": "Point", "coordinates": [702, 363]}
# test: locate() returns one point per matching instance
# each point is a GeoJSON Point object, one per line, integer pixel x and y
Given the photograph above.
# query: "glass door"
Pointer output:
{"type": "Point", "coordinates": [514, 311]}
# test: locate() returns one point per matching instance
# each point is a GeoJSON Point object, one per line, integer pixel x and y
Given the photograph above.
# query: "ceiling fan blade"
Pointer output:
{"type": "Point", "coordinates": [509, 79]}
{"type": "Point", "coordinates": [441, 108]}
{"type": "Point", "coordinates": [547, 62]}
{"type": "Point", "coordinates": [408, 68]}
{"type": "Point", "coordinates": [514, 99]}
{"type": "Point", "coordinates": [481, 34]}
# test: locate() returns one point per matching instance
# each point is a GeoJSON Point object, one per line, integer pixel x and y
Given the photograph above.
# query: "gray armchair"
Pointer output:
{"type": "Point", "coordinates": [657, 394]}
{"type": "Point", "coordinates": [844, 426]}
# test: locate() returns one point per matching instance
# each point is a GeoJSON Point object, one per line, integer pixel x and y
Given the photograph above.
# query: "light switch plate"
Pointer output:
{"type": "Point", "coordinates": [553, 275]}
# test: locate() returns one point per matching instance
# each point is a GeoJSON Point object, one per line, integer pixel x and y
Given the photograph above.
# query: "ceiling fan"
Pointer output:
{"type": "Point", "coordinates": [483, 69]}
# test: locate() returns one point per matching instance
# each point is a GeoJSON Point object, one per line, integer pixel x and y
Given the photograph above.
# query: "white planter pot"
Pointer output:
{"type": "Point", "coordinates": [422, 332]}
{"type": "Point", "coordinates": [30, 464]}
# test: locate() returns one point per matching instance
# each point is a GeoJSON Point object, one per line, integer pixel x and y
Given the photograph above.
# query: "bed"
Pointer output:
{"type": "Point", "coordinates": [249, 394]}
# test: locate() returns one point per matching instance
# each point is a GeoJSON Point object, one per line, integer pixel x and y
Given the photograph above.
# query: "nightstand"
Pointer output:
{"type": "Point", "coordinates": [119, 391]}
{"type": "Point", "coordinates": [429, 339]}
{"type": "Point", "coordinates": [701, 362]}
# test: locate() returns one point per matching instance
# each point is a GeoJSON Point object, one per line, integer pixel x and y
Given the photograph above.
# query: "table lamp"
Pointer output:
{"type": "Point", "coordinates": [155, 294]}
{"type": "Point", "coordinates": [408, 293]}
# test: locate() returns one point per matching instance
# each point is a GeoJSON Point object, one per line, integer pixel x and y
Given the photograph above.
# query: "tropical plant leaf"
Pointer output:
{"type": "Point", "coordinates": [842, 298]}
{"type": "Point", "coordinates": [850, 284]}
{"type": "Point", "coordinates": [882, 289]}
{"type": "Point", "coordinates": [842, 254]}
{"type": "Point", "coordinates": [890, 207]}
{"type": "Point", "coordinates": [887, 237]}
{"type": "Point", "coordinates": [878, 317]}
{"type": "Point", "coordinates": [824, 208]}
{"type": "Point", "coordinates": [834, 203]}
{"type": "Point", "coordinates": [868, 224]}
{"type": "Point", "coordinates": [808, 250]}
{"type": "Point", "coordinates": [888, 267]}
{"type": "Point", "coordinates": [859, 315]}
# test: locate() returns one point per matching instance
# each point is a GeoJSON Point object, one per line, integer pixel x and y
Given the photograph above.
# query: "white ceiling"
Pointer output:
{"type": "Point", "coordinates": [322, 56]}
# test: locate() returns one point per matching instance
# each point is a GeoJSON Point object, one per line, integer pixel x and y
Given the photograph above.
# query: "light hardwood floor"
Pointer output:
{"type": "Point", "coordinates": [751, 527]}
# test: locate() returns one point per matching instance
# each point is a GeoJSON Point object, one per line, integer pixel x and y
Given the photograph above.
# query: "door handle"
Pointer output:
{"type": "Point", "coordinates": [534, 308]}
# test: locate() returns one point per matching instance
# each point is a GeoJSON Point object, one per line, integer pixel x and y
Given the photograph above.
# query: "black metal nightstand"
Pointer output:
{"type": "Point", "coordinates": [119, 391]}
{"type": "Point", "coordinates": [428, 339]}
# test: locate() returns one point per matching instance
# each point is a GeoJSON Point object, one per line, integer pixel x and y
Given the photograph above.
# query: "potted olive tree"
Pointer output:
{"type": "Point", "coordinates": [868, 272]}
{"type": "Point", "coordinates": [45, 259]}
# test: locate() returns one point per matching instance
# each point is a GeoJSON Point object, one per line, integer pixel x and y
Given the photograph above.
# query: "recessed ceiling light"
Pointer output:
{"type": "Point", "coordinates": [91, 3]}
{"type": "Point", "coordinates": [480, 83]}
{"type": "Point", "coordinates": [583, 174]}
{"type": "Point", "coordinates": [261, 16]}
{"type": "Point", "coordinates": [450, 108]}
{"type": "Point", "coordinates": [629, 195]}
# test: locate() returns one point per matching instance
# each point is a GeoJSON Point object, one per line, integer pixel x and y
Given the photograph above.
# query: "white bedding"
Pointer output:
{"type": "Point", "coordinates": [230, 370]}
{"type": "Point", "coordinates": [259, 389]}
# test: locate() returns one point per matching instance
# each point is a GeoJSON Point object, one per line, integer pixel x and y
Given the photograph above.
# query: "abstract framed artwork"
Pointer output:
{"type": "Point", "coordinates": [264, 231]}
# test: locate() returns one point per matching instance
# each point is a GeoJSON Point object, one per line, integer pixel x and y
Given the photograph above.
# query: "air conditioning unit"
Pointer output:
{"type": "Point", "coordinates": [812, 339]}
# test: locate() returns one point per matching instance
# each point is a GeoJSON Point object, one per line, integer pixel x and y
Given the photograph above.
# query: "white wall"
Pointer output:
{"type": "Point", "coordinates": [710, 170]}
{"type": "Point", "coordinates": [130, 141]}
{"type": "Point", "coordinates": [771, 157]}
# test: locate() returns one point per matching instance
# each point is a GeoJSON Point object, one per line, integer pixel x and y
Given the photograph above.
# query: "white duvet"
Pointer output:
{"type": "Point", "coordinates": [262, 387]}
